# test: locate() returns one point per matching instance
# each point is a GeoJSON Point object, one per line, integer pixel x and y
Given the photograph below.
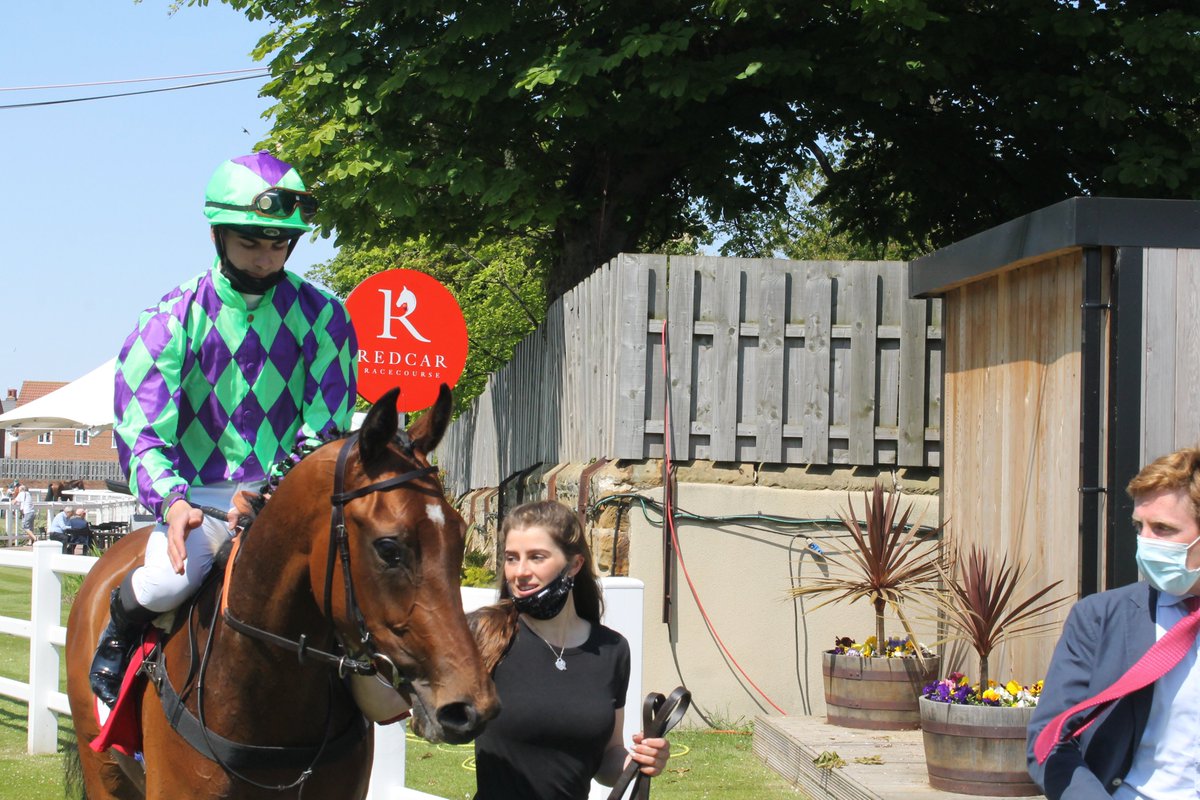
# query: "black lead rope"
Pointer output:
{"type": "Point", "coordinates": [659, 715]}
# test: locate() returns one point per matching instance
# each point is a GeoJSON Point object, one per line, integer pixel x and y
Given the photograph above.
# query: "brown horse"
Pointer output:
{"type": "Point", "coordinates": [54, 489]}
{"type": "Point", "coordinates": [399, 612]}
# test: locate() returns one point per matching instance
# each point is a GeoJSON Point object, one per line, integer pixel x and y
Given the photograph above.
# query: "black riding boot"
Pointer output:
{"type": "Point", "coordinates": [127, 618]}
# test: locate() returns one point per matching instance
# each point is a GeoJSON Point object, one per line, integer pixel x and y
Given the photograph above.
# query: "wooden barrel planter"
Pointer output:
{"type": "Point", "coordinates": [976, 750]}
{"type": "Point", "coordinates": [876, 693]}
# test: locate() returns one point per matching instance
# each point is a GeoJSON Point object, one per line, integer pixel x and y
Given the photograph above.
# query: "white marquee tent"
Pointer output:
{"type": "Point", "coordinates": [84, 403]}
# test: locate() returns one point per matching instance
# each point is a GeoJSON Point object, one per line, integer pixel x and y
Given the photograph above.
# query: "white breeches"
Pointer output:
{"type": "Point", "coordinates": [155, 584]}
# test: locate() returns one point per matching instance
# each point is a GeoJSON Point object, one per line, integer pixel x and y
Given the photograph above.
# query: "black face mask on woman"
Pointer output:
{"type": "Point", "coordinates": [546, 603]}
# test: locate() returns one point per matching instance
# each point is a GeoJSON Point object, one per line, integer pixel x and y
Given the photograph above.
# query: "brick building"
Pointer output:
{"type": "Point", "coordinates": [39, 456]}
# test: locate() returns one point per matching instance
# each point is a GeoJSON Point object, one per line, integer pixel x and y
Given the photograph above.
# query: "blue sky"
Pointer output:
{"type": "Point", "coordinates": [101, 201]}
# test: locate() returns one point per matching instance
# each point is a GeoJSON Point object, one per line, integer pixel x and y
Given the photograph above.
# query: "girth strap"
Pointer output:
{"type": "Point", "coordinates": [237, 755]}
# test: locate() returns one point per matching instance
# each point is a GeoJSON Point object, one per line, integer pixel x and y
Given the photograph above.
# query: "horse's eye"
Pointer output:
{"type": "Point", "coordinates": [392, 552]}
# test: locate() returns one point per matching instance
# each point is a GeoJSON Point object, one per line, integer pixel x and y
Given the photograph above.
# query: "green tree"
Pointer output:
{"type": "Point", "coordinates": [596, 126]}
{"type": "Point", "coordinates": [802, 230]}
{"type": "Point", "coordinates": [498, 285]}
{"type": "Point", "coordinates": [990, 110]}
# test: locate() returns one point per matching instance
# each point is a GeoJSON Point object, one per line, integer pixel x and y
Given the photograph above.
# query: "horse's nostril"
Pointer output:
{"type": "Point", "coordinates": [458, 720]}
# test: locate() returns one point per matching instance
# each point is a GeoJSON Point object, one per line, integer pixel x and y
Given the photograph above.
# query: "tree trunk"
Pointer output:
{"type": "Point", "coordinates": [617, 200]}
{"type": "Point", "coordinates": [880, 640]}
{"type": "Point", "coordinates": [585, 246]}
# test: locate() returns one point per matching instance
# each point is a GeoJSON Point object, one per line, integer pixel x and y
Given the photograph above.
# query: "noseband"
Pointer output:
{"type": "Point", "coordinates": [339, 547]}
{"type": "Point", "coordinates": [341, 541]}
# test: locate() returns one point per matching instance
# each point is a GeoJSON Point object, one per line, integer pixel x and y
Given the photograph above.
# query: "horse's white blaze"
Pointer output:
{"type": "Point", "coordinates": [435, 513]}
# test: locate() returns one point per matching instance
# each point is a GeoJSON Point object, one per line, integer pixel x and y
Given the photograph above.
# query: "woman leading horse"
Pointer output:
{"type": "Point", "coordinates": [356, 556]}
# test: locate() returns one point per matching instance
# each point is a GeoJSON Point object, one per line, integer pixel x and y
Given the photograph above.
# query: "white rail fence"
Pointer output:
{"type": "Point", "coordinates": [100, 506]}
{"type": "Point", "coordinates": [46, 635]}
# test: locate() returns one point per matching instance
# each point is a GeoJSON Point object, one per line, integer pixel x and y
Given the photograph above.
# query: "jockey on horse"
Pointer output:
{"type": "Point", "coordinates": [218, 382]}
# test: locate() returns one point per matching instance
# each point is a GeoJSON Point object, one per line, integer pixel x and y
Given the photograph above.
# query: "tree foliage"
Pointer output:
{"type": "Point", "coordinates": [594, 126]}
{"type": "Point", "coordinates": [802, 230]}
{"type": "Point", "coordinates": [497, 285]}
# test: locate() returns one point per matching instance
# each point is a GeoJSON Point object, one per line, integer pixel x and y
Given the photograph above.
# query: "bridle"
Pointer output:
{"type": "Point", "coordinates": [339, 549]}
{"type": "Point", "coordinates": [370, 660]}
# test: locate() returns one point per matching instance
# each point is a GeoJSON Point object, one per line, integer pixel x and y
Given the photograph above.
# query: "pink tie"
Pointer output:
{"type": "Point", "coordinates": [1156, 662]}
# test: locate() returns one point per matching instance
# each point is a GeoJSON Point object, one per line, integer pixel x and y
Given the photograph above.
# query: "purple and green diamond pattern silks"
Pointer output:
{"type": "Point", "coordinates": [208, 390]}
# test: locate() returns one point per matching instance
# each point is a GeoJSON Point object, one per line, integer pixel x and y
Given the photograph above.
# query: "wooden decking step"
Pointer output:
{"type": "Point", "coordinates": [878, 765]}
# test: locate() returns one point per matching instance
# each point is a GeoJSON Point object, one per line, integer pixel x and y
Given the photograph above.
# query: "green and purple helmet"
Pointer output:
{"type": "Point", "coordinates": [261, 196]}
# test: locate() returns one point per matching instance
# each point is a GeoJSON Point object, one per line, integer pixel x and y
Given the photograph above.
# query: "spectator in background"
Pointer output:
{"type": "Point", "coordinates": [79, 533]}
{"type": "Point", "coordinates": [58, 527]}
{"type": "Point", "coordinates": [23, 502]}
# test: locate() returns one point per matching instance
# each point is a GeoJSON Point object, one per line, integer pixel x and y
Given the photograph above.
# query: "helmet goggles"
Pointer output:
{"type": "Point", "coordinates": [276, 203]}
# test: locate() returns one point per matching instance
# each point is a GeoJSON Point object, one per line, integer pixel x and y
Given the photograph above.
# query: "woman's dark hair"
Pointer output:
{"type": "Point", "coordinates": [565, 529]}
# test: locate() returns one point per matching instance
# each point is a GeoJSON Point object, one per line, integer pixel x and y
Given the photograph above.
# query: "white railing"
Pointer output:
{"type": "Point", "coordinates": [100, 506]}
{"type": "Point", "coordinates": [623, 612]}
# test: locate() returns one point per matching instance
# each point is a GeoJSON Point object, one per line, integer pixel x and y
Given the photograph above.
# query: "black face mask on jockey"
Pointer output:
{"type": "Point", "coordinates": [246, 283]}
{"type": "Point", "coordinates": [546, 603]}
{"type": "Point", "coordinates": [243, 281]}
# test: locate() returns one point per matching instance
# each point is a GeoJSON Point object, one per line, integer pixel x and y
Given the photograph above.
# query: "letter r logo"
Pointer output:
{"type": "Point", "coordinates": [406, 303]}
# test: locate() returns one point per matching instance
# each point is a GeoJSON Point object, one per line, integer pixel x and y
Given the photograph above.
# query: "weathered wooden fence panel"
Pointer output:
{"type": "Point", "coordinates": [760, 360]}
{"type": "Point", "coordinates": [42, 469]}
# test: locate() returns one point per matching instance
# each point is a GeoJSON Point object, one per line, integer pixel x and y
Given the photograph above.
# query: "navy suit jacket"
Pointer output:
{"type": "Point", "coordinates": [1105, 634]}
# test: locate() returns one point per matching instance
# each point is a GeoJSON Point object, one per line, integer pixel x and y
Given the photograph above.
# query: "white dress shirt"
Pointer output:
{"type": "Point", "coordinates": [1166, 764]}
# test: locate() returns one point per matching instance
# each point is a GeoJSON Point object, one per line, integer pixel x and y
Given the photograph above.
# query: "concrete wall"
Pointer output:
{"type": "Point", "coordinates": [741, 575]}
{"type": "Point", "coordinates": [741, 572]}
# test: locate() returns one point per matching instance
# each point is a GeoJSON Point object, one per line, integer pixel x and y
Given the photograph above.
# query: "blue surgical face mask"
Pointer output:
{"type": "Point", "coordinates": [1164, 565]}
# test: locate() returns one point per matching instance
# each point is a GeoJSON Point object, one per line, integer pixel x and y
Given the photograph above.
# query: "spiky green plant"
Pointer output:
{"type": "Point", "coordinates": [887, 562]}
{"type": "Point", "coordinates": [982, 605]}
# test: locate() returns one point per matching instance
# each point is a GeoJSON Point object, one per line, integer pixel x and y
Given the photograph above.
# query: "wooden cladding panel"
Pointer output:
{"type": "Point", "coordinates": [1010, 471]}
{"type": "Point", "coordinates": [1171, 352]}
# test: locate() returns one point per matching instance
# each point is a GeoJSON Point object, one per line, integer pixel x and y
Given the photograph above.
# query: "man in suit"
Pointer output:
{"type": "Point", "coordinates": [79, 533]}
{"type": "Point", "coordinates": [1143, 745]}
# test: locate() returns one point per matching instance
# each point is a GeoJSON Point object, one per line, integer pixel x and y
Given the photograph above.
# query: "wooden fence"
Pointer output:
{"type": "Point", "coordinates": [44, 469]}
{"type": "Point", "coordinates": [767, 361]}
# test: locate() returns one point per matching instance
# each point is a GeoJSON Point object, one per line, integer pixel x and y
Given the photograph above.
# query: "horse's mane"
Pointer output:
{"type": "Point", "coordinates": [303, 449]}
{"type": "Point", "coordinates": [298, 453]}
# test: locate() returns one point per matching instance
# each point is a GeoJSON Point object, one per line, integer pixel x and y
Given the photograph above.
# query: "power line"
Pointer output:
{"type": "Point", "coordinates": [131, 80]}
{"type": "Point", "coordinates": [126, 94]}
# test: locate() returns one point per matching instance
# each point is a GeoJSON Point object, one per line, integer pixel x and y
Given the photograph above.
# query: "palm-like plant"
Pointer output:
{"type": "Point", "coordinates": [981, 605]}
{"type": "Point", "coordinates": [887, 562]}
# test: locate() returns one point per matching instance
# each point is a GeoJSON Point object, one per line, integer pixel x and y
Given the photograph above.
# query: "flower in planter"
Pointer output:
{"type": "Point", "coordinates": [886, 562]}
{"type": "Point", "coordinates": [983, 605]}
{"type": "Point", "coordinates": [958, 690]}
{"type": "Point", "coordinates": [896, 647]}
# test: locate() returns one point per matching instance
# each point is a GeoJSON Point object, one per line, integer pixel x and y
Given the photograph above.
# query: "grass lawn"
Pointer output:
{"type": "Point", "coordinates": [703, 764]}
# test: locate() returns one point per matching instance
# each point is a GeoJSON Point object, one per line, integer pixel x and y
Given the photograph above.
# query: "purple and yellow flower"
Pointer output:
{"type": "Point", "coordinates": [894, 647]}
{"type": "Point", "coordinates": [957, 689]}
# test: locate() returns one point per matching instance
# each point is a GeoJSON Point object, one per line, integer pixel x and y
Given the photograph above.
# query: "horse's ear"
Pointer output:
{"type": "Point", "coordinates": [379, 428]}
{"type": "Point", "coordinates": [428, 430]}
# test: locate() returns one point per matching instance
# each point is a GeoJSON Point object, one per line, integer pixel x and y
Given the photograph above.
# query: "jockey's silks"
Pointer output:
{"type": "Point", "coordinates": [208, 389]}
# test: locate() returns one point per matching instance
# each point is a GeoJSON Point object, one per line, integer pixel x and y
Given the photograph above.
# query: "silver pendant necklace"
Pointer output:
{"type": "Point", "coordinates": [559, 662]}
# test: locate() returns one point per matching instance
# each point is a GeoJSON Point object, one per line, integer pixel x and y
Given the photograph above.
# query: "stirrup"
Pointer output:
{"type": "Point", "coordinates": [108, 669]}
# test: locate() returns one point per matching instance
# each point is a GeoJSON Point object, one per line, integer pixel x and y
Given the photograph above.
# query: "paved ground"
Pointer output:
{"type": "Point", "coordinates": [873, 765]}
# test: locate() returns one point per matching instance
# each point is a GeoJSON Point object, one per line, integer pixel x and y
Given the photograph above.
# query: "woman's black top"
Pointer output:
{"type": "Point", "coordinates": [549, 737]}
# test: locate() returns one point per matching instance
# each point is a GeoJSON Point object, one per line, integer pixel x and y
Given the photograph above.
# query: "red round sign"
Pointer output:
{"type": "Point", "coordinates": [411, 334]}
